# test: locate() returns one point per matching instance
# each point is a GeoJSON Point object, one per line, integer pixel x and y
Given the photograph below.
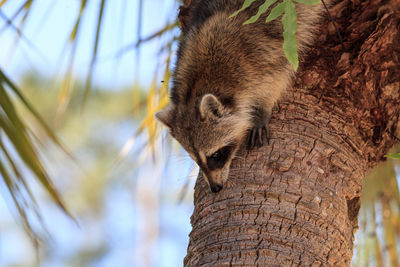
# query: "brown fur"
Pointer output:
{"type": "Point", "coordinates": [228, 77]}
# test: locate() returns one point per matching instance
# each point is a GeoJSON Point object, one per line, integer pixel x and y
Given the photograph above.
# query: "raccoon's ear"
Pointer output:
{"type": "Point", "coordinates": [210, 107]}
{"type": "Point", "coordinates": [165, 116]}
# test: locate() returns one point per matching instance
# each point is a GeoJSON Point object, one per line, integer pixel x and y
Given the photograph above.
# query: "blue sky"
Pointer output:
{"type": "Point", "coordinates": [49, 25]}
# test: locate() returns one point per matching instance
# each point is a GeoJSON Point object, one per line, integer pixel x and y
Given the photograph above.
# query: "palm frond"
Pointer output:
{"type": "Point", "coordinates": [21, 35]}
{"type": "Point", "coordinates": [20, 154]}
{"type": "Point", "coordinates": [167, 28]}
{"type": "Point", "coordinates": [64, 95]}
{"type": "Point", "coordinates": [95, 50]}
{"type": "Point", "coordinates": [25, 6]}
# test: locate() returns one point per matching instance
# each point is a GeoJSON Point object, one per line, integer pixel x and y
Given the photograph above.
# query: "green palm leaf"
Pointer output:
{"type": "Point", "coordinates": [18, 137]}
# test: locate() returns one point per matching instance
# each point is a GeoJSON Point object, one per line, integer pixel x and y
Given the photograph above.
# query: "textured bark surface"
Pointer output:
{"type": "Point", "coordinates": [296, 201]}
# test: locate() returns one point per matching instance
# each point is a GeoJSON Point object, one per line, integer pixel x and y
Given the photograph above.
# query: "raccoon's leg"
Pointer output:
{"type": "Point", "coordinates": [260, 130]}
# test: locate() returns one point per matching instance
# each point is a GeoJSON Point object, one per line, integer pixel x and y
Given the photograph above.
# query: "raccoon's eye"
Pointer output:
{"type": "Point", "coordinates": [217, 155]}
{"type": "Point", "coordinates": [218, 158]}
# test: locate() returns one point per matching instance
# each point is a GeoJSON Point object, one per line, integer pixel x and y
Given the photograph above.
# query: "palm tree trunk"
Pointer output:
{"type": "Point", "coordinates": [296, 201]}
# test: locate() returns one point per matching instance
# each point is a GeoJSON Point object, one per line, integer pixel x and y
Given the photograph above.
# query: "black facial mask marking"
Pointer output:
{"type": "Point", "coordinates": [218, 159]}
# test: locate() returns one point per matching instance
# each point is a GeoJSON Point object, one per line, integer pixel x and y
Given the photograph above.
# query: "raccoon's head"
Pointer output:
{"type": "Point", "coordinates": [210, 132]}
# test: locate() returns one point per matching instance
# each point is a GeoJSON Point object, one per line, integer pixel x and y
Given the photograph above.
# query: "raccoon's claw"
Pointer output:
{"type": "Point", "coordinates": [256, 137]}
{"type": "Point", "coordinates": [267, 133]}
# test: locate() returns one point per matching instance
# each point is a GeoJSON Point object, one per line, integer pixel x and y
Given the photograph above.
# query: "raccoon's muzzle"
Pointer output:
{"type": "Point", "coordinates": [215, 188]}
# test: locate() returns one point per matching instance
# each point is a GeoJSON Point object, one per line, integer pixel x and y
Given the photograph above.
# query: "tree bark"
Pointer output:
{"type": "Point", "coordinates": [296, 201]}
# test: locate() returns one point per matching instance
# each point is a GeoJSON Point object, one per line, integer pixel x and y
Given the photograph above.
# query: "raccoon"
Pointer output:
{"type": "Point", "coordinates": [227, 78]}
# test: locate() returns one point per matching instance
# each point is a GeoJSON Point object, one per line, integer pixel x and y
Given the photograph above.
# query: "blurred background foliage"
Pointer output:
{"type": "Point", "coordinates": [85, 170]}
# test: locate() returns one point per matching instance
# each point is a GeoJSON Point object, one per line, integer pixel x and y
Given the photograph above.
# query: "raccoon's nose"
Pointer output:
{"type": "Point", "coordinates": [215, 188]}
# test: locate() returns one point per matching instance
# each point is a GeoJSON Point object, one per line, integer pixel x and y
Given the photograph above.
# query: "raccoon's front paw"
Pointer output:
{"type": "Point", "coordinates": [260, 131]}
{"type": "Point", "coordinates": [257, 136]}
